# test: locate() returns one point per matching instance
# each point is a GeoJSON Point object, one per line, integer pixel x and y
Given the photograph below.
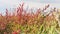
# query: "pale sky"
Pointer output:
{"type": "Point", "coordinates": [31, 3]}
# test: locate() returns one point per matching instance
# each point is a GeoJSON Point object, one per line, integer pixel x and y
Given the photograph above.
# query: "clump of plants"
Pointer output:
{"type": "Point", "coordinates": [21, 22]}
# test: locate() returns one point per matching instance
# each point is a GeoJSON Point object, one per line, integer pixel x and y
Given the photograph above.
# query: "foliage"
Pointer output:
{"type": "Point", "coordinates": [22, 22]}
